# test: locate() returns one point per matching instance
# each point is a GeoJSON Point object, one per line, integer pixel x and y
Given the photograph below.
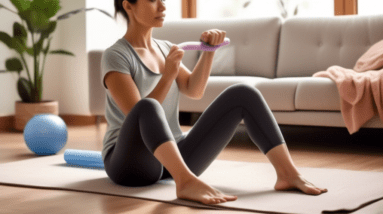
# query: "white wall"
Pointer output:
{"type": "Point", "coordinates": [370, 7]}
{"type": "Point", "coordinates": [72, 77]}
{"type": "Point", "coordinates": [8, 81]}
{"type": "Point", "coordinates": [102, 32]}
{"type": "Point", "coordinates": [214, 9]}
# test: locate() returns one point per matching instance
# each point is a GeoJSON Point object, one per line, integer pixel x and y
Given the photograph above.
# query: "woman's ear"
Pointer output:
{"type": "Point", "coordinates": [127, 5]}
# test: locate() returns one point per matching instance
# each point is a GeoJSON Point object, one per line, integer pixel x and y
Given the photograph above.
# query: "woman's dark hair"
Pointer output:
{"type": "Point", "coordinates": [120, 9]}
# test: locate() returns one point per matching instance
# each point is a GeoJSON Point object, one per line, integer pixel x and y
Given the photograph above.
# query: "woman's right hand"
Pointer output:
{"type": "Point", "coordinates": [173, 61]}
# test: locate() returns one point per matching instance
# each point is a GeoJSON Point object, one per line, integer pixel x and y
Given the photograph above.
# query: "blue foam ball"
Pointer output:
{"type": "Point", "coordinates": [45, 134]}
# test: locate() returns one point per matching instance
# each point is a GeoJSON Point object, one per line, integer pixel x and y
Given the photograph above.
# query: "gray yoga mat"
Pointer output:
{"type": "Point", "coordinates": [253, 183]}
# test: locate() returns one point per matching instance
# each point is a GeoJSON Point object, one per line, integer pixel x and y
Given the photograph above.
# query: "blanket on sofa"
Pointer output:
{"type": "Point", "coordinates": [360, 88]}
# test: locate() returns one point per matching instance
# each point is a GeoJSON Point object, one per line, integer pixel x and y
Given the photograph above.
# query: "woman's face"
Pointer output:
{"type": "Point", "coordinates": [146, 12]}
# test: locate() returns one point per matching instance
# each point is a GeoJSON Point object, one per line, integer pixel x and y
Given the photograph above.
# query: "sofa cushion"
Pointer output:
{"type": "Point", "coordinates": [312, 44]}
{"type": "Point", "coordinates": [317, 93]}
{"type": "Point", "coordinates": [372, 59]}
{"type": "Point", "coordinates": [300, 93]}
{"type": "Point", "coordinates": [215, 86]}
{"type": "Point", "coordinates": [279, 93]}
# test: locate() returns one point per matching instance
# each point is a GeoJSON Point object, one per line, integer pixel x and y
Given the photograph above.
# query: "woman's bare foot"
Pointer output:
{"type": "Point", "coordinates": [298, 182]}
{"type": "Point", "coordinates": [197, 190]}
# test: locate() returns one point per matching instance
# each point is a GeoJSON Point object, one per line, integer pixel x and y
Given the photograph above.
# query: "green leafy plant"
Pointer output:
{"type": "Point", "coordinates": [35, 18]}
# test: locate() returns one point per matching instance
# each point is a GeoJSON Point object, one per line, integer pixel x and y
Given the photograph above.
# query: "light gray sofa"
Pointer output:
{"type": "Point", "coordinates": [276, 56]}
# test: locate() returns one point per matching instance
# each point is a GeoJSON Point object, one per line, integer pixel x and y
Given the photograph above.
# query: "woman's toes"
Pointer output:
{"type": "Point", "coordinates": [208, 200]}
{"type": "Point", "coordinates": [318, 191]}
{"type": "Point", "coordinates": [212, 201]}
{"type": "Point", "coordinates": [219, 200]}
{"type": "Point", "coordinates": [231, 198]}
{"type": "Point", "coordinates": [308, 189]}
{"type": "Point", "coordinates": [314, 191]}
{"type": "Point", "coordinates": [321, 189]}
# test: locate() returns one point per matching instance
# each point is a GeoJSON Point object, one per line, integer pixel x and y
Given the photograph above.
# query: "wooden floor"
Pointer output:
{"type": "Point", "coordinates": [309, 147]}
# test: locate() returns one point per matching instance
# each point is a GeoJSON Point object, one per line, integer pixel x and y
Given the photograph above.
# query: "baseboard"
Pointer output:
{"type": "Point", "coordinates": [6, 122]}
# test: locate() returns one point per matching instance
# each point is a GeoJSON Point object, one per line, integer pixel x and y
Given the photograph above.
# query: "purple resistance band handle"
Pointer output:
{"type": "Point", "coordinates": [202, 46]}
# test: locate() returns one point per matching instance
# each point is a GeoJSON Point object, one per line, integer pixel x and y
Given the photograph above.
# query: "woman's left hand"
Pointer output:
{"type": "Point", "coordinates": [213, 36]}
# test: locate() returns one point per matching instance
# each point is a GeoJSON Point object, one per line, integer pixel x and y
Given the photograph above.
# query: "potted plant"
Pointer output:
{"type": "Point", "coordinates": [35, 18]}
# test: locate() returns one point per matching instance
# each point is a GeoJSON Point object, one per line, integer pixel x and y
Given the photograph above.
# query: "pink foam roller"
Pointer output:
{"type": "Point", "coordinates": [202, 46]}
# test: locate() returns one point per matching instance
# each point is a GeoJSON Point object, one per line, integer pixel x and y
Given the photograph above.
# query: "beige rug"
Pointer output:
{"type": "Point", "coordinates": [253, 183]}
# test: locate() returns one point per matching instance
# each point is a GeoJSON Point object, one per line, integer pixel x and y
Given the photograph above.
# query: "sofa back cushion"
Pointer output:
{"type": "Point", "coordinates": [254, 42]}
{"type": "Point", "coordinates": [312, 44]}
{"type": "Point", "coordinates": [223, 61]}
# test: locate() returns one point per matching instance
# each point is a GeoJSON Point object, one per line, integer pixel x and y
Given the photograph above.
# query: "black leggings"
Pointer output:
{"type": "Point", "coordinates": [131, 162]}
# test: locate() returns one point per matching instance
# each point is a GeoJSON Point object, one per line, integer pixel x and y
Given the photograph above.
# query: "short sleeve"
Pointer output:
{"type": "Point", "coordinates": [169, 44]}
{"type": "Point", "coordinates": [113, 60]}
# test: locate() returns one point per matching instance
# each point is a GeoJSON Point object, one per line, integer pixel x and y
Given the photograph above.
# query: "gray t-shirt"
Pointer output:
{"type": "Point", "coordinates": [122, 57]}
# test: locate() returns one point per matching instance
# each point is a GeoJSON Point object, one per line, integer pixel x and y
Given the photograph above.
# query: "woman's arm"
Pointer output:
{"type": "Point", "coordinates": [201, 72]}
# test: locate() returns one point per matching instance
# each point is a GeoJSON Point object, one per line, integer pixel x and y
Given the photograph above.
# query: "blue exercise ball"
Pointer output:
{"type": "Point", "coordinates": [45, 134]}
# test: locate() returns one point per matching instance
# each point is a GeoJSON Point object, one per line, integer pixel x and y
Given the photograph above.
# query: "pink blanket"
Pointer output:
{"type": "Point", "coordinates": [360, 88]}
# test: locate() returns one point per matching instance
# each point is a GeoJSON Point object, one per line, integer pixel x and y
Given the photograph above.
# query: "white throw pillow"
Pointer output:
{"type": "Point", "coordinates": [223, 61]}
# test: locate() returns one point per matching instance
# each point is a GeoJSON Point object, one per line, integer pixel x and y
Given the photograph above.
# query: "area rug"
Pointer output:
{"type": "Point", "coordinates": [253, 183]}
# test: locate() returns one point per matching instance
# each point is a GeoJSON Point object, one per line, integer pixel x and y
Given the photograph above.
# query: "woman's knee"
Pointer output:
{"type": "Point", "coordinates": [147, 103]}
{"type": "Point", "coordinates": [242, 89]}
